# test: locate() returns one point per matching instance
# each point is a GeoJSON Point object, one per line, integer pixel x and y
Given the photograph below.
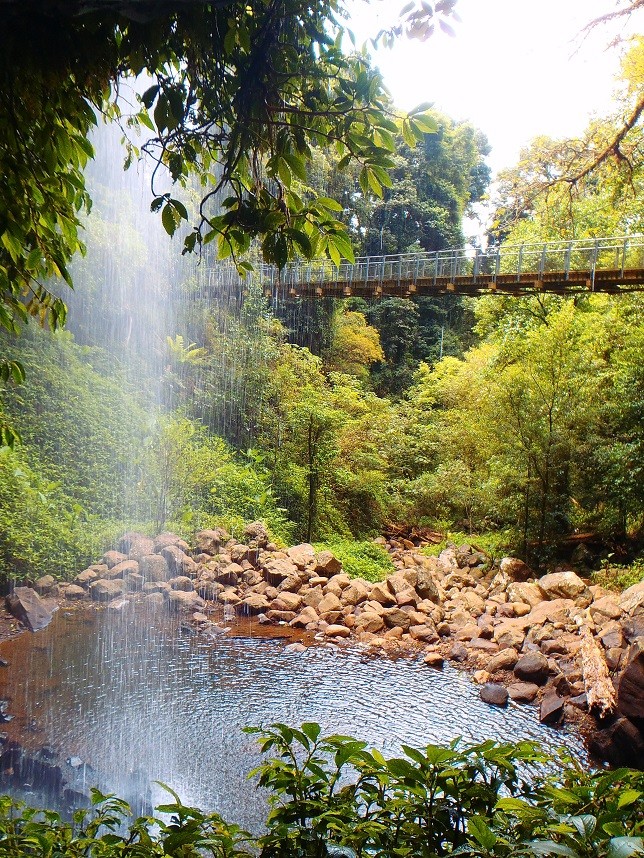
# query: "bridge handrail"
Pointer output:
{"type": "Point", "coordinates": [575, 255]}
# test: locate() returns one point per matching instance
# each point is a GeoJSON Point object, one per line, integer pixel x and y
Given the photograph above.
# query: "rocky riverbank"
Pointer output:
{"type": "Point", "coordinates": [523, 638]}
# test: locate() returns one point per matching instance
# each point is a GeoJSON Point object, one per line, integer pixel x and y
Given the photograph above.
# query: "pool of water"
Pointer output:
{"type": "Point", "coordinates": [141, 702]}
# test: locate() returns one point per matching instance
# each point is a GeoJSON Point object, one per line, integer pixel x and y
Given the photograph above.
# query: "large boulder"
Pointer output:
{"type": "Point", "coordinates": [279, 569]}
{"type": "Point", "coordinates": [105, 591]}
{"type": "Point", "coordinates": [532, 667]}
{"type": "Point", "coordinates": [178, 561]}
{"type": "Point", "coordinates": [565, 585]}
{"type": "Point", "coordinates": [357, 591]}
{"type": "Point", "coordinates": [632, 600]}
{"type": "Point", "coordinates": [327, 564]}
{"type": "Point", "coordinates": [494, 694]}
{"type": "Point", "coordinates": [140, 548]}
{"type": "Point", "coordinates": [127, 567]}
{"type": "Point", "coordinates": [426, 586]}
{"type": "Point", "coordinates": [154, 567]}
{"type": "Point", "coordinates": [27, 607]}
{"type": "Point", "coordinates": [210, 541]}
{"type": "Point", "coordinates": [526, 593]}
{"type": "Point", "coordinates": [256, 534]}
{"type": "Point", "coordinates": [254, 603]}
{"type": "Point", "coordinates": [111, 558]}
{"type": "Point", "coordinates": [630, 685]}
{"type": "Point", "coordinates": [302, 555]}
{"type": "Point", "coordinates": [180, 600]}
{"type": "Point", "coordinates": [165, 539]}
{"type": "Point", "coordinates": [515, 569]}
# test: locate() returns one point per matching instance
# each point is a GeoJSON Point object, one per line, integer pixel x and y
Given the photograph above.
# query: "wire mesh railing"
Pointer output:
{"type": "Point", "coordinates": [568, 259]}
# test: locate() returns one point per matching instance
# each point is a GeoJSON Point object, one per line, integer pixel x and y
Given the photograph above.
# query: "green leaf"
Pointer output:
{"type": "Point", "coordinates": [624, 847]}
{"type": "Point", "coordinates": [312, 730]}
{"type": "Point", "coordinates": [328, 203]}
{"type": "Point", "coordinates": [167, 219]}
{"type": "Point", "coordinates": [550, 847]}
{"type": "Point", "coordinates": [629, 796]}
{"type": "Point", "coordinates": [478, 828]}
{"type": "Point", "coordinates": [427, 124]}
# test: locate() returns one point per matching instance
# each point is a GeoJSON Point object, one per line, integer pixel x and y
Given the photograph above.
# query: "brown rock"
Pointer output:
{"type": "Point", "coordinates": [611, 635]}
{"type": "Point", "coordinates": [369, 621]}
{"type": "Point", "coordinates": [504, 660]}
{"type": "Point", "coordinates": [529, 594]}
{"type": "Point", "coordinates": [128, 567]}
{"type": "Point", "coordinates": [357, 591]}
{"type": "Point", "coordinates": [605, 608]}
{"type": "Point", "coordinates": [181, 582]}
{"type": "Point", "coordinates": [253, 604]}
{"type": "Point", "coordinates": [302, 555]}
{"type": "Point", "coordinates": [619, 744]}
{"type": "Point", "coordinates": [306, 616]}
{"type": "Point", "coordinates": [281, 616]}
{"type": "Point", "coordinates": [330, 602]}
{"type": "Point", "coordinates": [85, 578]}
{"type": "Point", "coordinates": [165, 539]}
{"type": "Point", "coordinates": [178, 562]}
{"type": "Point", "coordinates": [287, 601]}
{"type": "Point", "coordinates": [182, 600]}
{"type": "Point", "coordinates": [396, 617]}
{"type": "Point", "coordinates": [523, 692]}
{"type": "Point", "coordinates": [632, 600]}
{"type": "Point", "coordinates": [327, 564]}
{"type": "Point", "coordinates": [154, 567]}
{"type": "Point", "coordinates": [458, 652]}
{"type": "Point", "coordinates": [278, 569]}
{"type": "Point", "coordinates": [426, 586]}
{"type": "Point", "coordinates": [140, 548]}
{"type": "Point", "coordinates": [256, 534]}
{"type": "Point", "coordinates": [407, 597]}
{"type": "Point", "coordinates": [494, 694]}
{"type": "Point", "coordinates": [337, 631]}
{"type": "Point", "coordinates": [111, 558]}
{"type": "Point", "coordinates": [532, 667]}
{"type": "Point", "coordinates": [484, 645]}
{"type": "Point", "coordinates": [565, 585]}
{"type": "Point", "coordinates": [74, 591]}
{"type": "Point", "coordinates": [312, 596]}
{"type": "Point", "coordinates": [426, 633]}
{"type": "Point", "coordinates": [630, 685]}
{"type": "Point", "coordinates": [210, 541]}
{"type": "Point", "coordinates": [515, 569]}
{"type": "Point", "coordinates": [105, 591]}
{"type": "Point", "coordinates": [551, 709]}
{"type": "Point", "coordinates": [434, 659]}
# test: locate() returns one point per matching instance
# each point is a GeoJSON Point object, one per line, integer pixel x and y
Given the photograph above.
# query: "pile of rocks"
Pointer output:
{"type": "Point", "coordinates": [518, 634]}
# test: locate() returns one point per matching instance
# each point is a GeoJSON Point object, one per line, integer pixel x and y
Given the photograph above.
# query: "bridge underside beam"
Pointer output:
{"type": "Point", "coordinates": [555, 282]}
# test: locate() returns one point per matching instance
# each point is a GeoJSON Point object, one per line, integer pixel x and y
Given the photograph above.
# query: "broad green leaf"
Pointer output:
{"type": "Point", "coordinates": [624, 847]}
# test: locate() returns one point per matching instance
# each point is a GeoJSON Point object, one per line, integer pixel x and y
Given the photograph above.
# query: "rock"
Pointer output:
{"type": "Point", "coordinates": [210, 541]}
{"type": "Point", "coordinates": [523, 692]}
{"type": "Point", "coordinates": [532, 667]}
{"type": "Point", "coordinates": [605, 608]}
{"type": "Point", "coordinates": [230, 576]}
{"type": "Point", "coordinates": [150, 587]}
{"type": "Point", "coordinates": [140, 548]}
{"type": "Point", "coordinates": [295, 647]}
{"type": "Point", "coordinates": [611, 635]}
{"type": "Point", "coordinates": [307, 615]}
{"type": "Point", "coordinates": [128, 540]}
{"type": "Point", "coordinates": [337, 631]}
{"type": "Point", "coordinates": [515, 569]}
{"type": "Point", "coordinates": [510, 633]}
{"type": "Point", "coordinates": [85, 578]}
{"type": "Point", "coordinates": [165, 539]}
{"type": "Point", "coordinates": [112, 558]}
{"type": "Point", "coordinates": [504, 660]}
{"type": "Point", "coordinates": [529, 594]}
{"type": "Point", "coordinates": [434, 659]}
{"type": "Point", "coordinates": [458, 652]}
{"type": "Point", "coordinates": [396, 617]}
{"type": "Point", "coordinates": [632, 600]}
{"type": "Point", "coordinates": [253, 604]}
{"type": "Point", "coordinates": [181, 582]}
{"type": "Point", "coordinates": [327, 564]}
{"type": "Point", "coordinates": [287, 601]}
{"type": "Point", "coordinates": [619, 744]}
{"type": "Point", "coordinates": [45, 585]}
{"type": "Point", "coordinates": [426, 586]}
{"type": "Point", "coordinates": [630, 685]}
{"type": "Point", "coordinates": [494, 694]}
{"type": "Point", "coordinates": [256, 534]}
{"type": "Point", "coordinates": [633, 627]}
{"type": "Point", "coordinates": [182, 600]}
{"type": "Point", "coordinates": [551, 709]}
{"type": "Point", "coordinates": [74, 591]}
{"type": "Point", "coordinates": [381, 593]}
{"type": "Point", "coordinates": [134, 582]}
{"type": "Point", "coordinates": [553, 647]}
{"type": "Point", "coordinates": [302, 555]}
{"type": "Point", "coordinates": [369, 621]}
{"type": "Point", "coordinates": [178, 562]}
{"type": "Point", "coordinates": [127, 567]}
{"type": "Point", "coordinates": [280, 569]}
{"type": "Point", "coordinates": [473, 603]}
{"type": "Point", "coordinates": [565, 585]}
{"type": "Point", "coordinates": [118, 605]}
{"type": "Point", "coordinates": [484, 645]}
{"type": "Point", "coordinates": [105, 591]}
{"type": "Point", "coordinates": [27, 607]}
{"type": "Point", "coordinates": [426, 633]}
{"type": "Point", "coordinates": [357, 591]}
{"type": "Point", "coordinates": [330, 602]}
{"type": "Point", "coordinates": [154, 567]}
{"type": "Point", "coordinates": [241, 552]}
{"type": "Point", "coordinates": [555, 611]}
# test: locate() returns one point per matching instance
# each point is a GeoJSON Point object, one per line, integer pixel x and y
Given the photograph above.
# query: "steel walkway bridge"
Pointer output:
{"type": "Point", "coordinates": [611, 265]}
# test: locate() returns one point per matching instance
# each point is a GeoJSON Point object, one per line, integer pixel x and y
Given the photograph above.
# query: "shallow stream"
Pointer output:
{"type": "Point", "coordinates": [140, 701]}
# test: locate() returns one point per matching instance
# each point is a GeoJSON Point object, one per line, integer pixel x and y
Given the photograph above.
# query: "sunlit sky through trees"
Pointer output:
{"type": "Point", "coordinates": [515, 69]}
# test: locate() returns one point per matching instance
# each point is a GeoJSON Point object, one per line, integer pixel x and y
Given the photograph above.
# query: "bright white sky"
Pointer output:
{"type": "Point", "coordinates": [516, 68]}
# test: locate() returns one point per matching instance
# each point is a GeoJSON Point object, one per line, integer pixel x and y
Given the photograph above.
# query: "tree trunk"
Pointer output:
{"type": "Point", "coordinates": [600, 692]}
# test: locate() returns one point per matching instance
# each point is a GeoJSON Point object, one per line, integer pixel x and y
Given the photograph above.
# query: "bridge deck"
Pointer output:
{"type": "Point", "coordinates": [611, 265]}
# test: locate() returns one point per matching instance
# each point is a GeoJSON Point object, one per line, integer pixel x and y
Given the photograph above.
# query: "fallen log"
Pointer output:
{"type": "Point", "coordinates": [600, 692]}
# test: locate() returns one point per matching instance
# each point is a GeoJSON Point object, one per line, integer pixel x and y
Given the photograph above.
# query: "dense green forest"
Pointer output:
{"type": "Point", "coordinates": [330, 420]}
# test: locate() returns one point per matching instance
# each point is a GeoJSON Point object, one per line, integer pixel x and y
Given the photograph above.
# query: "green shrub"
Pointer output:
{"type": "Point", "coordinates": [360, 559]}
{"type": "Point", "coordinates": [494, 544]}
{"type": "Point", "coordinates": [620, 577]}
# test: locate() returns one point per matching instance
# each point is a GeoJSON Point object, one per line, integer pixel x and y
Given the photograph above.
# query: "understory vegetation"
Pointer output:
{"type": "Point", "coordinates": [332, 796]}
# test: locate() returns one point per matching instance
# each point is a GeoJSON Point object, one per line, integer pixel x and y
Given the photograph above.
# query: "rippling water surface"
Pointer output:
{"type": "Point", "coordinates": [135, 699]}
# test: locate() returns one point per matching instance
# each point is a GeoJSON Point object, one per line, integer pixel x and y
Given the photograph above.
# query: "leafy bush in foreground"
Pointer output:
{"type": "Point", "coordinates": [331, 796]}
